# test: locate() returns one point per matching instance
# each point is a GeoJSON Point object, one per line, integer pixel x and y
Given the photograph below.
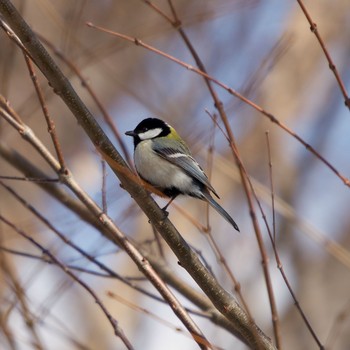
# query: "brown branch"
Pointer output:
{"type": "Point", "coordinates": [219, 106]}
{"type": "Point", "coordinates": [117, 330]}
{"type": "Point", "coordinates": [271, 187]}
{"type": "Point", "coordinates": [332, 66]}
{"type": "Point", "coordinates": [85, 83]}
{"type": "Point", "coordinates": [245, 329]}
{"type": "Point", "coordinates": [117, 236]}
{"type": "Point", "coordinates": [150, 314]}
{"type": "Point", "coordinates": [80, 210]}
{"type": "Point", "coordinates": [21, 298]}
{"type": "Point", "coordinates": [50, 124]}
{"type": "Point", "coordinates": [208, 232]}
{"type": "Point", "coordinates": [277, 257]}
{"type": "Point", "coordinates": [6, 331]}
{"type": "Point", "coordinates": [109, 273]}
{"type": "Point", "coordinates": [231, 91]}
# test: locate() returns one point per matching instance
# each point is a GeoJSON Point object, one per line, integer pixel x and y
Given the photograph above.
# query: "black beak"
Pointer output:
{"type": "Point", "coordinates": [131, 133]}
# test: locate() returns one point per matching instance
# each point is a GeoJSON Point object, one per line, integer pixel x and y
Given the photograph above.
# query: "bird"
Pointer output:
{"type": "Point", "coordinates": [163, 160]}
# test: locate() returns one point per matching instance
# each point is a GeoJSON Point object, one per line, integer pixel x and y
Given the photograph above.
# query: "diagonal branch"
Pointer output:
{"type": "Point", "coordinates": [167, 274]}
{"type": "Point", "coordinates": [117, 330]}
{"type": "Point", "coordinates": [332, 66]}
{"type": "Point", "coordinates": [246, 330]}
{"type": "Point", "coordinates": [232, 92]}
{"type": "Point", "coordinates": [115, 234]}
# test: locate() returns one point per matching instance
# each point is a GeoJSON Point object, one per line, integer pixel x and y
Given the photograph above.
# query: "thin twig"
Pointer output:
{"type": "Point", "coordinates": [245, 329]}
{"type": "Point", "coordinates": [117, 330]}
{"type": "Point", "coordinates": [171, 278]}
{"type": "Point", "coordinates": [28, 318]}
{"type": "Point", "coordinates": [158, 241]}
{"type": "Point", "coordinates": [85, 83]}
{"type": "Point", "coordinates": [280, 267]}
{"type": "Point", "coordinates": [219, 256]}
{"type": "Point", "coordinates": [246, 183]}
{"type": "Point", "coordinates": [277, 258]}
{"type": "Point", "coordinates": [231, 91]}
{"type": "Point", "coordinates": [50, 124]}
{"type": "Point", "coordinates": [103, 186]}
{"type": "Point", "coordinates": [332, 66]}
{"type": "Point", "coordinates": [271, 187]}
{"type": "Point", "coordinates": [127, 280]}
{"type": "Point", "coordinates": [149, 313]}
{"type": "Point", "coordinates": [115, 233]}
{"type": "Point", "coordinates": [19, 292]}
{"type": "Point", "coordinates": [109, 273]}
{"type": "Point", "coordinates": [219, 106]}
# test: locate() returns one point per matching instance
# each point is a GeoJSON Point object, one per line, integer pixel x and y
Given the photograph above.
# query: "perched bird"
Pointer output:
{"type": "Point", "coordinates": [163, 160]}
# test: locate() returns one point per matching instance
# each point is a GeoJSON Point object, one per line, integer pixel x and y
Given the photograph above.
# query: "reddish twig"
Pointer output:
{"type": "Point", "coordinates": [332, 66]}
{"type": "Point", "coordinates": [219, 106]}
{"type": "Point", "coordinates": [271, 187]}
{"type": "Point", "coordinates": [277, 258]}
{"type": "Point", "coordinates": [115, 233]}
{"type": "Point", "coordinates": [219, 256]}
{"type": "Point", "coordinates": [21, 302]}
{"type": "Point", "coordinates": [231, 91]}
{"type": "Point", "coordinates": [151, 314]}
{"type": "Point", "coordinates": [219, 297]}
{"type": "Point", "coordinates": [85, 83]}
{"type": "Point", "coordinates": [246, 185]}
{"type": "Point", "coordinates": [117, 330]}
{"type": "Point", "coordinates": [109, 272]}
{"type": "Point", "coordinates": [50, 124]}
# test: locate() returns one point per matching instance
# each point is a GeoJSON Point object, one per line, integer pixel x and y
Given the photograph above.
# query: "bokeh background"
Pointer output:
{"type": "Point", "coordinates": [264, 50]}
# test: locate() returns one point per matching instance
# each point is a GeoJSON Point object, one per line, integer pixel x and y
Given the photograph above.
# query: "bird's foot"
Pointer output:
{"type": "Point", "coordinates": [165, 212]}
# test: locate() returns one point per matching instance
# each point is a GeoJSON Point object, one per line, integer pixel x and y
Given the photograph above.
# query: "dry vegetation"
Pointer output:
{"type": "Point", "coordinates": [87, 260]}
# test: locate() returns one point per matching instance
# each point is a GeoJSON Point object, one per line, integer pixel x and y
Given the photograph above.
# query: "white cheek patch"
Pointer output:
{"type": "Point", "coordinates": [150, 134]}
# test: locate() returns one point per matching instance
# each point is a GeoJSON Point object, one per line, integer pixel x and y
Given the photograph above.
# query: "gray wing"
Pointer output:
{"type": "Point", "coordinates": [182, 158]}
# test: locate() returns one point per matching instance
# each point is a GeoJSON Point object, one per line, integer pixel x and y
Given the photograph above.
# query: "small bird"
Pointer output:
{"type": "Point", "coordinates": [163, 160]}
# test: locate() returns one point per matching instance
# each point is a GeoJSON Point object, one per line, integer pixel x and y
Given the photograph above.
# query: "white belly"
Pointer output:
{"type": "Point", "coordinates": [159, 172]}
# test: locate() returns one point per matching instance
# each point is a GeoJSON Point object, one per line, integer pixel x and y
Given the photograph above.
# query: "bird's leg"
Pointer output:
{"type": "Point", "coordinates": [165, 208]}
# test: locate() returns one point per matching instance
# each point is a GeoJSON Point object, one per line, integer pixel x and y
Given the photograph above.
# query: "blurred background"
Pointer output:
{"type": "Point", "coordinates": [264, 50]}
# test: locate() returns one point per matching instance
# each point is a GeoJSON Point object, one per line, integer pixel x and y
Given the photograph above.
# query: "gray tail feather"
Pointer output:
{"type": "Point", "coordinates": [220, 209]}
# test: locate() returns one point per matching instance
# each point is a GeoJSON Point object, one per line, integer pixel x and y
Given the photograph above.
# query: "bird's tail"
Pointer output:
{"type": "Point", "coordinates": [219, 209]}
